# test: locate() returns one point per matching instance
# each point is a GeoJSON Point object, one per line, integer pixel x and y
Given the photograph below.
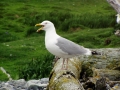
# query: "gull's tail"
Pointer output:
{"type": "Point", "coordinates": [88, 52]}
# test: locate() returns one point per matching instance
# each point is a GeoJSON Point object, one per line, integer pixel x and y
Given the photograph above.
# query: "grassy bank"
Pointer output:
{"type": "Point", "coordinates": [90, 23]}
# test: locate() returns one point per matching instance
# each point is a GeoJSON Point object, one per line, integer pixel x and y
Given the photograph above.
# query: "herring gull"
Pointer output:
{"type": "Point", "coordinates": [60, 46]}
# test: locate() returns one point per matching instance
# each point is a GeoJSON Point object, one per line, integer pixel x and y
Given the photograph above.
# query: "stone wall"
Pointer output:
{"type": "Point", "coordinates": [99, 62]}
{"type": "Point", "coordinates": [107, 55]}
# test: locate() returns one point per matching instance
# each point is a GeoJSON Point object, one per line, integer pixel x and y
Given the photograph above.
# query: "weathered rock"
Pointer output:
{"type": "Point", "coordinates": [35, 87]}
{"type": "Point", "coordinates": [21, 84]}
{"type": "Point", "coordinates": [7, 88]}
{"type": "Point", "coordinates": [103, 60]}
{"type": "Point", "coordinates": [42, 82]}
{"type": "Point", "coordinates": [113, 75]}
{"type": "Point", "coordinates": [101, 84]}
{"type": "Point", "coordinates": [98, 65]}
{"type": "Point", "coordinates": [17, 84]}
{"type": "Point", "coordinates": [66, 78]}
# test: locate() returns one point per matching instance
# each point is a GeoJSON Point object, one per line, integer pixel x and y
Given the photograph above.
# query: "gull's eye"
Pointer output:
{"type": "Point", "coordinates": [46, 23]}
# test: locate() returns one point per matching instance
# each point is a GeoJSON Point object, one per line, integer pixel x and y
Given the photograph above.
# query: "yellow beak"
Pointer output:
{"type": "Point", "coordinates": [39, 28]}
{"type": "Point", "coordinates": [37, 25]}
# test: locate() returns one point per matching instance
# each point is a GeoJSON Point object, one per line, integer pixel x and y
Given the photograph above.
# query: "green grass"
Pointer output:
{"type": "Point", "coordinates": [3, 77]}
{"type": "Point", "coordinates": [37, 68]}
{"type": "Point", "coordinates": [90, 23]}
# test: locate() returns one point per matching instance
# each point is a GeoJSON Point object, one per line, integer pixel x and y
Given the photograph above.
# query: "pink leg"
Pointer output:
{"type": "Point", "coordinates": [56, 59]}
{"type": "Point", "coordinates": [65, 64]}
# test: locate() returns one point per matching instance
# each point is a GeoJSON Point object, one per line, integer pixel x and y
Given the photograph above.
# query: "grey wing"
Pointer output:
{"type": "Point", "coordinates": [70, 47]}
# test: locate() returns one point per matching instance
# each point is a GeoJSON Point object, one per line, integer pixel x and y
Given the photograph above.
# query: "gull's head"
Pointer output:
{"type": "Point", "coordinates": [45, 25]}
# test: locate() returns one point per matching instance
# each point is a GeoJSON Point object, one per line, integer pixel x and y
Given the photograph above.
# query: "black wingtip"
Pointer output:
{"type": "Point", "coordinates": [95, 53]}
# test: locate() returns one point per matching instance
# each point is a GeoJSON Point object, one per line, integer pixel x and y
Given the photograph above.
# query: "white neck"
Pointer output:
{"type": "Point", "coordinates": [50, 30]}
{"type": "Point", "coordinates": [50, 33]}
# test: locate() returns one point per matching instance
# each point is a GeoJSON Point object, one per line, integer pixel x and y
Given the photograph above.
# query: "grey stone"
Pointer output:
{"type": "Point", "coordinates": [32, 82]}
{"type": "Point", "coordinates": [21, 84]}
{"type": "Point", "coordinates": [35, 87]}
{"type": "Point", "coordinates": [106, 56]}
{"type": "Point", "coordinates": [7, 87]}
{"type": "Point", "coordinates": [99, 61]}
{"type": "Point", "coordinates": [44, 80]}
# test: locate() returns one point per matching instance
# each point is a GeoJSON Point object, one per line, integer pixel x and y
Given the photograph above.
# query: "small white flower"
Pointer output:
{"type": "Point", "coordinates": [10, 54]}
{"type": "Point", "coordinates": [7, 45]}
